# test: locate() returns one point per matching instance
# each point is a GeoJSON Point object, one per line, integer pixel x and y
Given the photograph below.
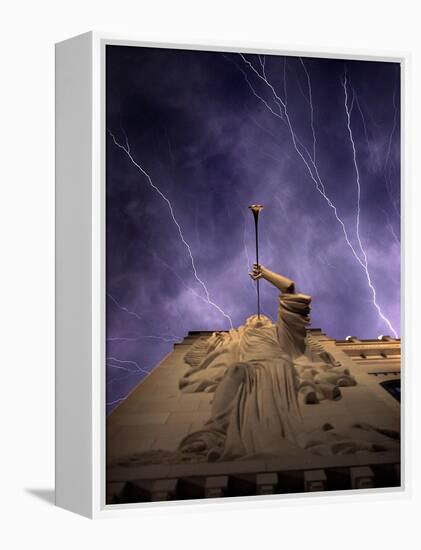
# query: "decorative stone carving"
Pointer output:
{"type": "Point", "coordinates": [266, 484]}
{"type": "Point", "coordinates": [164, 489]}
{"type": "Point", "coordinates": [362, 477]}
{"type": "Point", "coordinates": [315, 480]}
{"type": "Point", "coordinates": [215, 486]}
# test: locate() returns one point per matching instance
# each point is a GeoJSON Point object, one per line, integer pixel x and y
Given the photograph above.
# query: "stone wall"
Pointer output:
{"type": "Point", "coordinates": [156, 415]}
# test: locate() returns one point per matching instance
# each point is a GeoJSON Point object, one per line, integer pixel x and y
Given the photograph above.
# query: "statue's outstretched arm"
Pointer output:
{"type": "Point", "coordinates": [279, 281]}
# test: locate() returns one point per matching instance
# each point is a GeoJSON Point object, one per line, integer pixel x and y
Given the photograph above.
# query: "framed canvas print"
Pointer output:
{"type": "Point", "coordinates": [228, 273]}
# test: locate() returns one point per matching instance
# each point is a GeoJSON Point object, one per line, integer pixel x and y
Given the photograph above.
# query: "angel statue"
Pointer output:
{"type": "Point", "coordinates": [262, 374]}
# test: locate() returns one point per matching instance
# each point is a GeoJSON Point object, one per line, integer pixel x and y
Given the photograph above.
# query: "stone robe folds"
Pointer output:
{"type": "Point", "coordinates": [257, 373]}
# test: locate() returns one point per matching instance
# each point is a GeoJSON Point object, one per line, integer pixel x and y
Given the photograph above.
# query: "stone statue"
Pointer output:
{"type": "Point", "coordinates": [261, 374]}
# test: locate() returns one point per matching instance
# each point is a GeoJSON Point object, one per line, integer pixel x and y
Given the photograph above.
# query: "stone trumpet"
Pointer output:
{"type": "Point", "coordinates": [256, 208]}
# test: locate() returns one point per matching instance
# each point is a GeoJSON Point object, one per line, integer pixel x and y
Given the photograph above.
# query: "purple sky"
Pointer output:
{"type": "Point", "coordinates": [215, 132]}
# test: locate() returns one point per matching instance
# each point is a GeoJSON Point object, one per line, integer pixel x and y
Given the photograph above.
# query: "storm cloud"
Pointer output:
{"type": "Point", "coordinates": [213, 147]}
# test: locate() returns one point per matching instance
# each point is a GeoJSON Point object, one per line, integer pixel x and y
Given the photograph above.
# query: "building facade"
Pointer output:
{"type": "Point", "coordinates": [156, 416]}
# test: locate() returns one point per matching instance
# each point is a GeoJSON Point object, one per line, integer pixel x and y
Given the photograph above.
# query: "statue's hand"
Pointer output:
{"type": "Point", "coordinates": [279, 281]}
{"type": "Point", "coordinates": [257, 272]}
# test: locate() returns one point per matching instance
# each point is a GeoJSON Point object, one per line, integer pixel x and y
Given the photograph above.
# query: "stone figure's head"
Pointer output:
{"type": "Point", "coordinates": [255, 322]}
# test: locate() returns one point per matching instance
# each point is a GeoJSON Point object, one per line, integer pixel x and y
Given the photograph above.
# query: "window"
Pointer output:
{"type": "Point", "coordinates": [393, 387]}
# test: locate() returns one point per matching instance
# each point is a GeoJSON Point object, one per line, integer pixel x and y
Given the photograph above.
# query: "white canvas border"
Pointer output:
{"type": "Point", "coordinates": [99, 508]}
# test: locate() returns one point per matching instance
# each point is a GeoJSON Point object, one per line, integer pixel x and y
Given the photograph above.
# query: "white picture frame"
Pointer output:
{"type": "Point", "coordinates": [80, 273]}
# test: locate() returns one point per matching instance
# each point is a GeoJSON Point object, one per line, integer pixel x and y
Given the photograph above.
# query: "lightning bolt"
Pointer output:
{"type": "Point", "coordinates": [386, 172]}
{"type": "Point", "coordinates": [125, 362]}
{"type": "Point", "coordinates": [188, 288]}
{"type": "Point", "coordinates": [117, 400]}
{"type": "Point", "coordinates": [170, 338]}
{"type": "Point", "coordinates": [311, 165]}
{"type": "Point", "coordinates": [387, 161]}
{"type": "Point", "coordinates": [165, 338]}
{"type": "Point", "coordinates": [310, 102]}
{"type": "Point", "coordinates": [253, 91]}
{"type": "Point", "coordinates": [298, 145]}
{"type": "Point", "coordinates": [390, 227]}
{"type": "Point", "coordinates": [357, 103]}
{"type": "Point", "coordinates": [126, 149]}
{"type": "Point", "coordinates": [387, 165]}
{"type": "Point", "coordinates": [122, 366]}
{"type": "Point", "coordinates": [118, 379]}
{"type": "Point", "coordinates": [348, 111]}
{"type": "Point", "coordinates": [124, 308]}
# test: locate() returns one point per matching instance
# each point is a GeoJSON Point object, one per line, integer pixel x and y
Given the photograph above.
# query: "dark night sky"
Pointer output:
{"type": "Point", "coordinates": [212, 147]}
